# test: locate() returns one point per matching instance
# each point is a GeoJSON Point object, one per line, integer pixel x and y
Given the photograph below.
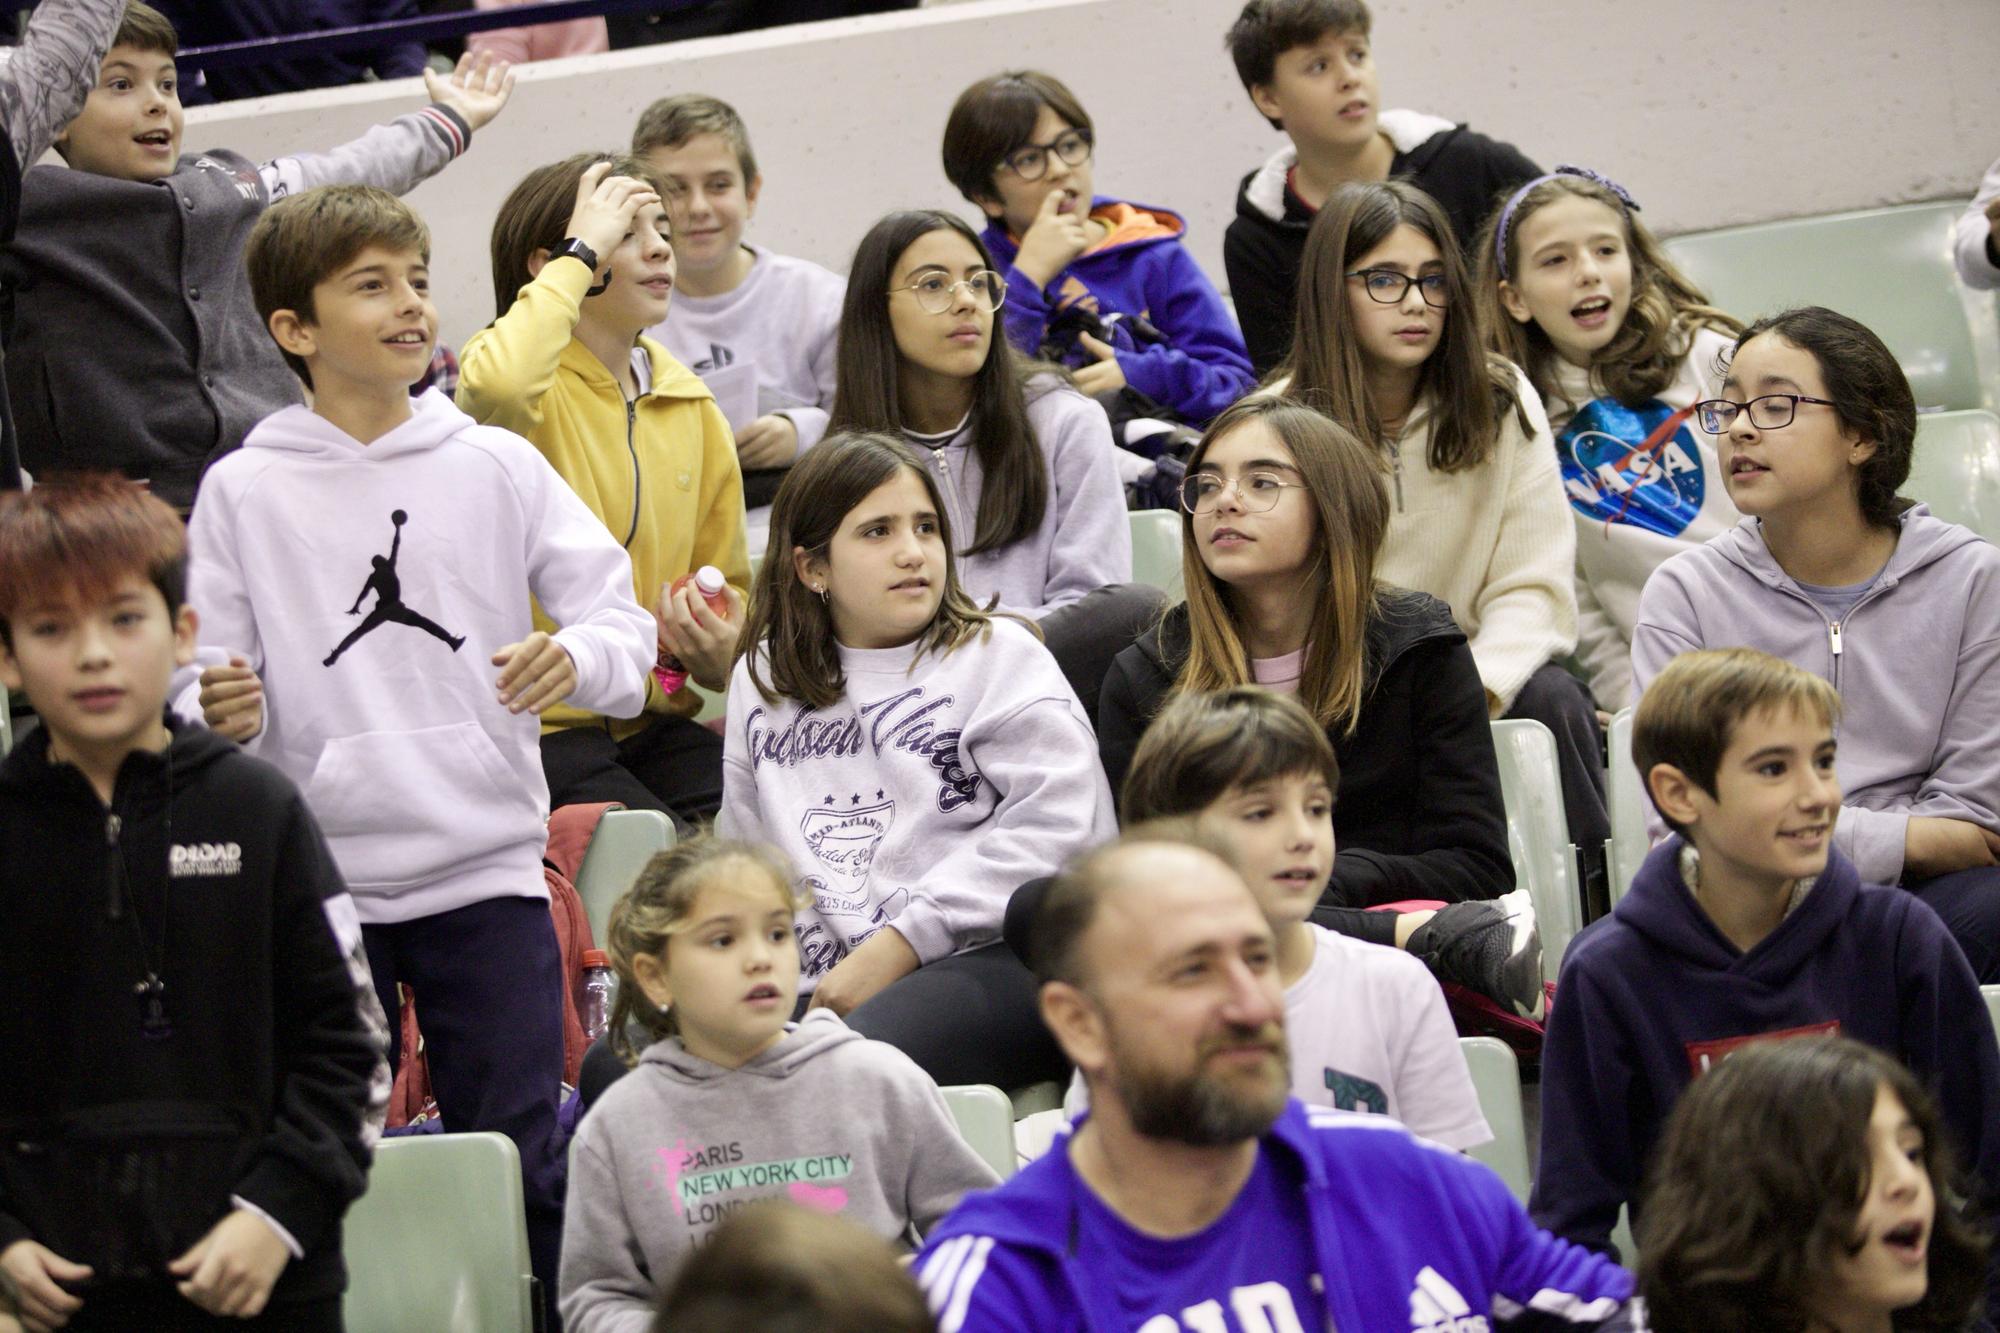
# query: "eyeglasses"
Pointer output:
{"type": "Point", "coordinates": [936, 292]}
{"type": "Point", "coordinates": [1032, 162]}
{"type": "Point", "coordinates": [1390, 287]}
{"type": "Point", "coordinates": [1256, 492]}
{"type": "Point", "coordinates": [1768, 412]}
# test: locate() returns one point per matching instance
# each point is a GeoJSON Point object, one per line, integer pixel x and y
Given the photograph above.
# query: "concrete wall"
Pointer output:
{"type": "Point", "coordinates": [1712, 111]}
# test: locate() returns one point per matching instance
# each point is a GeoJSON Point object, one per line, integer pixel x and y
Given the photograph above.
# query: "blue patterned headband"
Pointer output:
{"type": "Point", "coordinates": [1500, 233]}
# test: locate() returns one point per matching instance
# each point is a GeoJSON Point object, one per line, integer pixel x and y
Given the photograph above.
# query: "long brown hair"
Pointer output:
{"type": "Point", "coordinates": [1666, 312]}
{"type": "Point", "coordinates": [1350, 504]}
{"type": "Point", "coordinates": [789, 630]}
{"type": "Point", "coordinates": [1469, 389]}
{"type": "Point", "coordinates": [1015, 494]}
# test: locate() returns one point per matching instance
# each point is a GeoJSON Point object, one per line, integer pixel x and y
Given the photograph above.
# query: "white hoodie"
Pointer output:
{"type": "Point", "coordinates": [429, 791]}
{"type": "Point", "coordinates": [924, 798]}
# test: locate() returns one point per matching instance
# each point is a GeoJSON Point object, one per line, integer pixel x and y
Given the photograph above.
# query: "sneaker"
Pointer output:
{"type": "Point", "coordinates": [1490, 947]}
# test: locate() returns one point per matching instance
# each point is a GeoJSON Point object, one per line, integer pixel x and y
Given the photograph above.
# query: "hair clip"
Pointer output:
{"type": "Point", "coordinates": [1500, 233]}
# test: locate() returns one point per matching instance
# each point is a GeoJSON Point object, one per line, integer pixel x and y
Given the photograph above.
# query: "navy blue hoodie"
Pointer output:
{"type": "Point", "coordinates": [1655, 991]}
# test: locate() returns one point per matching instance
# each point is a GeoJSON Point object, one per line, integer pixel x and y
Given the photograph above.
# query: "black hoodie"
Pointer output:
{"type": "Point", "coordinates": [118, 1149]}
{"type": "Point", "coordinates": [1419, 813]}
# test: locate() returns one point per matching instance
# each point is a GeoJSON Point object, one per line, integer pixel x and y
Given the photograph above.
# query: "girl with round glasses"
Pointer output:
{"type": "Point", "coordinates": [1477, 513]}
{"type": "Point", "coordinates": [1023, 460]}
{"type": "Point", "coordinates": [1833, 571]}
{"type": "Point", "coordinates": [1284, 516]}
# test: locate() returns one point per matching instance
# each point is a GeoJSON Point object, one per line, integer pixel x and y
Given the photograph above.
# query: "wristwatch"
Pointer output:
{"type": "Point", "coordinates": [576, 249]}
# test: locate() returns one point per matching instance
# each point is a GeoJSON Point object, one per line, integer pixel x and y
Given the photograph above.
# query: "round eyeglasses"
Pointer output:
{"type": "Point", "coordinates": [1389, 287]}
{"type": "Point", "coordinates": [936, 292]}
{"type": "Point", "coordinates": [1256, 492]}
{"type": "Point", "coordinates": [1767, 412]}
{"type": "Point", "coordinates": [1031, 162]}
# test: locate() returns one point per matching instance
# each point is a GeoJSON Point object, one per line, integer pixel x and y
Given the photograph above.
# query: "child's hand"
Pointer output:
{"type": "Point", "coordinates": [704, 641]}
{"type": "Point", "coordinates": [36, 1270]}
{"type": "Point", "coordinates": [605, 207]}
{"type": "Point", "coordinates": [769, 441]}
{"type": "Point", "coordinates": [476, 90]}
{"type": "Point", "coordinates": [883, 958]}
{"type": "Point", "coordinates": [232, 700]}
{"type": "Point", "coordinates": [1938, 846]}
{"type": "Point", "coordinates": [535, 674]}
{"type": "Point", "coordinates": [1053, 239]}
{"type": "Point", "coordinates": [1103, 375]}
{"type": "Point", "coordinates": [231, 1270]}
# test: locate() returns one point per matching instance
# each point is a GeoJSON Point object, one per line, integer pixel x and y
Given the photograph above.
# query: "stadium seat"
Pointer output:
{"type": "Point", "coordinates": [1156, 550]}
{"type": "Point", "coordinates": [1629, 841]}
{"type": "Point", "coordinates": [440, 1240]}
{"type": "Point", "coordinates": [6, 726]}
{"type": "Point", "coordinates": [1956, 469]}
{"type": "Point", "coordinates": [1537, 832]}
{"type": "Point", "coordinates": [1890, 268]}
{"type": "Point", "coordinates": [1992, 995]}
{"type": "Point", "coordinates": [986, 1122]}
{"type": "Point", "coordinates": [1496, 1077]}
{"type": "Point", "coordinates": [619, 849]}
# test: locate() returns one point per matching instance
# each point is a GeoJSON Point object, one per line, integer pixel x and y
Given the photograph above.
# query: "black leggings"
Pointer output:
{"type": "Point", "coordinates": [673, 766]}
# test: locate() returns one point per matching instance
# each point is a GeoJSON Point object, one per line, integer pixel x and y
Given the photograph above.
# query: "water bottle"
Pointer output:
{"type": "Point", "coordinates": [708, 581]}
{"type": "Point", "coordinates": [593, 1001]}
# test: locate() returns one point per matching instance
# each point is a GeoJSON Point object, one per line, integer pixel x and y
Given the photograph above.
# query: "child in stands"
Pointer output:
{"type": "Point", "coordinates": [1095, 283]}
{"type": "Point", "coordinates": [583, 263]}
{"type": "Point", "coordinates": [1808, 1185]}
{"type": "Point", "coordinates": [731, 1101]}
{"type": "Point", "coordinates": [413, 727]}
{"type": "Point", "coordinates": [1309, 67]}
{"type": "Point", "coordinates": [1389, 346]}
{"type": "Point", "coordinates": [1023, 461]}
{"type": "Point", "coordinates": [1285, 512]}
{"type": "Point", "coordinates": [1834, 572]}
{"type": "Point", "coordinates": [1746, 926]}
{"type": "Point", "coordinates": [187, 1069]}
{"type": "Point", "coordinates": [136, 348]}
{"type": "Point", "coordinates": [917, 757]}
{"type": "Point", "coordinates": [739, 305]}
{"type": "Point", "coordinates": [1575, 290]}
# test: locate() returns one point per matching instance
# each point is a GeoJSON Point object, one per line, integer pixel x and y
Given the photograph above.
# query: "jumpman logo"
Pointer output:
{"type": "Point", "coordinates": [388, 590]}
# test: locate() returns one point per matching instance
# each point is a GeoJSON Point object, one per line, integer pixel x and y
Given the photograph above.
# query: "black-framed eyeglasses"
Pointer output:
{"type": "Point", "coordinates": [1767, 411]}
{"type": "Point", "coordinates": [1256, 492]}
{"type": "Point", "coordinates": [937, 291]}
{"type": "Point", "coordinates": [1390, 287]}
{"type": "Point", "coordinates": [1031, 162]}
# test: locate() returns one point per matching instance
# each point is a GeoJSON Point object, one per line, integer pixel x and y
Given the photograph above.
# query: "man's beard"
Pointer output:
{"type": "Point", "coordinates": [1202, 1109]}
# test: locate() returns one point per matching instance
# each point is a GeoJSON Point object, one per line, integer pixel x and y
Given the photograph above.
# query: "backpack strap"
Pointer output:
{"type": "Point", "coordinates": [570, 830]}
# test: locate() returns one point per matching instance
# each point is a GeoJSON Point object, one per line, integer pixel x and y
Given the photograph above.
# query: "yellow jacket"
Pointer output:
{"type": "Point", "coordinates": [660, 472]}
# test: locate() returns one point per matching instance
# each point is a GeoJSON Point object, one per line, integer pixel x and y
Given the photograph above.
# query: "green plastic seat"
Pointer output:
{"type": "Point", "coordinates": [986, 1122]}
{"type": "Point", "coordinates": [1890, 268]}
{"type": "Point", "coordinates": [1156, 550]}
{"type": "Point", "coordinates": [1992, 997]}
{"type": "Point", "coordinates": [1629, 840]}
{"type": "Point", "coordinates": [619, 849]}
{"type": "Point", "coordinates": [1496, 1078]}
{"type": "Point", "coordinates": [1956, 469]}
{"type": "Point", "coordinates": [1538, 833]}
{"type": "Point", "coordinates": [440, 1240]}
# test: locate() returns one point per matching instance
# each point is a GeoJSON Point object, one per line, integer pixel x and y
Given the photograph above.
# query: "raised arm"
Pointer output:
{"type": "Point", "coordinates": [45, 79]}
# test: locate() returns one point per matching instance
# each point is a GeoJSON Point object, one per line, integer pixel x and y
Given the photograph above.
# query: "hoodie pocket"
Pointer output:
{"type": "Point", "coordinates": [126, 1188]}
{"type": "Point", "coordinates": [401, 807]}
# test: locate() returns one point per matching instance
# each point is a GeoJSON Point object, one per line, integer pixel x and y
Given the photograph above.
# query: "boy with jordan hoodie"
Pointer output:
{"type": "Point", "coordinates": [1747, 926]}
{"type": "Point", "coordinates": [369, 562]}
{"type": "Point", "coordinates": [1019, 145]}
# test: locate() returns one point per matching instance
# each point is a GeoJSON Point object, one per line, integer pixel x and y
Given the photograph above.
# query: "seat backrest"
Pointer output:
{"type": "Point", "coordinates": [624, 841]}
{"type": "Point", "coordinates": [1538, 832]}
{"type": "Point", "coordinates": [1992, 997]}
{"type": "Point", "coordinates": [6, 725]}
{"type": "Point", "coordinates": [986, 1122]}
{"type": "Point", "coordinates": [1629, 840]}
{"type": "Point", "coordinates": [1496, 1078]}
{"type": "Point", "coordinates": [1956, 469]}
{"type": "Point", "coordinates": [440, 1240]}
{"type": "Point", "coordinates": [1890, 268]}
{"type": "Point", "coordinates": [1156, 550]}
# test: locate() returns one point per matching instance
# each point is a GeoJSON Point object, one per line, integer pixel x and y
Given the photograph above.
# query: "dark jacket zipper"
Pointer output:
{"type": "Point", "coordinates": [631, 419]}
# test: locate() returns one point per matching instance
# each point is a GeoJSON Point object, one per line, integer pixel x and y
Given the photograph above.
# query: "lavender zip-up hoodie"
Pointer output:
{"type": "Point", "coordinates": [1916, 661]}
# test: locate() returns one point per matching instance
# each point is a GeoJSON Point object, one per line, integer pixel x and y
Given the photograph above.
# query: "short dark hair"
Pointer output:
{"type": "Point", "coordinates": [145, 28]}
{"type": "Point", "coordinates": [1204, 743]}
{"type": "Point", "coordinates": [1266, 29]}
{"type": "Point", "coordinates": [1069, 904]}
{"type": "Point", "coordinates": [780, 1268]}
{"type": "Point", "coordinates": [303, 240]}
{"type": "Point", "coordinates": [1870, 393]}
{"type": "Point", "coordinates": [672, 121]}
{"type": "Point", "coordinates": [994, 117]}
{"type": "Point", "coordinates": [78, 535]}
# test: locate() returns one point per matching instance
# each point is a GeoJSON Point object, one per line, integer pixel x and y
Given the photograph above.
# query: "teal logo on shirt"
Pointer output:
{"type": "Point", "coordinates": [1356, 1094]}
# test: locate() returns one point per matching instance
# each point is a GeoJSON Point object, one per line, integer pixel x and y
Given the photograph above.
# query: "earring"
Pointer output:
{"type": "Point", "coordinates": [820, 588]}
